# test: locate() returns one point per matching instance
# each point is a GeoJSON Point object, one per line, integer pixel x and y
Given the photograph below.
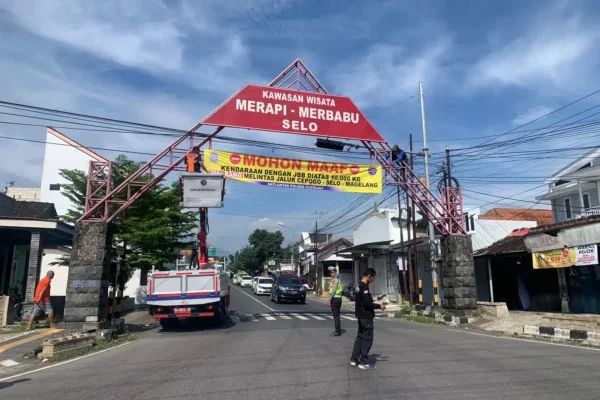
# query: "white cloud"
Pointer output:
{"type": "Point", "coordinates": [389, 72]}
{"type": "Point", "coordinates": [556, 49]}
{"type": "Point", "coordinates": [531, 115]}
{"type": "Point", "coordinates": [131, 33]}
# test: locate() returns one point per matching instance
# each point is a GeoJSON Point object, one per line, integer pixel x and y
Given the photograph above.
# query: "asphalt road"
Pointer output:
{"type": "Point", "coordinates": [297, 359]}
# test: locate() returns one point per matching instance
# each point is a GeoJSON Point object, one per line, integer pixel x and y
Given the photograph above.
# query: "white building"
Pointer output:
{"type": "Point", "coordinates": [23, 194]}
{"type": "Point", "coordinates": [62, 153]}
{"type": "Point", "coordinates": [573, 191]}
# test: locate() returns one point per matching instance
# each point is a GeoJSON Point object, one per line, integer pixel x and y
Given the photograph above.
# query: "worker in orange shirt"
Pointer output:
{"type": "Point", "coordinates": [41, 301]}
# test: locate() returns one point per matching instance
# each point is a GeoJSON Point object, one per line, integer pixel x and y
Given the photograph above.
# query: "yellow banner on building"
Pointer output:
{"type": "Point", "coordinates": [560, 258]}
{"type": "Point", "coordinates": [285, 172]}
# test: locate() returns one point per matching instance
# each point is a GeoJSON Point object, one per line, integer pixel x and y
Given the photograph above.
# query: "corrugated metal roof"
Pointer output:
{"type": "Point", "coordinates": [488, 232]}
{"type": "Point", "coordinates": [34, 210]}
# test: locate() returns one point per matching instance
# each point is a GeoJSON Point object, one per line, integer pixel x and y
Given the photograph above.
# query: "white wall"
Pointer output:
{"type": "Point", "coordinates": [61, 273]}
{"type": "Point", "coordinates": [133, 288]}
{"type": "Point", "coordinates": [379, 227]}
{"type": "Point", "coordinates": [57, 157]}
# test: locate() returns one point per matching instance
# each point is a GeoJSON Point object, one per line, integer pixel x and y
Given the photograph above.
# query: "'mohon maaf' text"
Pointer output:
{"type": "Point", "coordinates": [284, 163]}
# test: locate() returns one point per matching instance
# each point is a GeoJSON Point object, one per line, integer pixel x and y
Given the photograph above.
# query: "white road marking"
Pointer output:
{"type": "Point", "coordinates": [299, 316]}
{"type": "Point", "coordinates": [62, 363]}
{"type": "Point", "coordinates": [8, 363]}
{"type": "Point", "coordinates": [283, 316]}
{"type": "Point", "coordinates": [251, 317]}
{"type": "Point", "coordinates": [527, 340]}
{"type": "Point", "coordinates": [268, 317]}
{"type": "Point", "coordinates": [316, 317]}
{"type": "Point", "coordinates": [258, 301]}
{"type": "Point", "coordinates": [347, 317]}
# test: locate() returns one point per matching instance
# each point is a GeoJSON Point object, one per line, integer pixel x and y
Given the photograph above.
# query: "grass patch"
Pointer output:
{"type": "Point", "coordinates": [406, 310]}
{"type": "Point", "coordinates": [22, 327]}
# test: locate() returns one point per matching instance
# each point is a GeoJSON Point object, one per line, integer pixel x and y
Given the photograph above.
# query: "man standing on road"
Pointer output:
{"type": "Point", "coordinates": [41, 301]}
{"type": "Point", "coordinates": [365, 312]}
{"type": "Point", "coordinates": [335, 300]}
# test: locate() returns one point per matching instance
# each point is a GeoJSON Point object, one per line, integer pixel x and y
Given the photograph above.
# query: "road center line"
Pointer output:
{"type": "Point", "coordinates": [256, 300]}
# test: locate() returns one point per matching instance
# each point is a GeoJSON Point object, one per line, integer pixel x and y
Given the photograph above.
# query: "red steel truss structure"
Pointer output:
{"type": "Point", "coordinates": [104, 203]}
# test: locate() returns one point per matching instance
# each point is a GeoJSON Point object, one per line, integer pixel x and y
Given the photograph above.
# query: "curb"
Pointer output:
{"type": "Point", "coordinates": [571, 335]}
{"type": "Point", "coordinates": [449, 320]}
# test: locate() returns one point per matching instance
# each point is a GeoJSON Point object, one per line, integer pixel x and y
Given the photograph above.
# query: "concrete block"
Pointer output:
{"type": "Point", "coordinates": [531, 330]}
{"type": "Point", "coordinates": [54, 349]}
{"type": "Point", "coordinates": [496, 310]}
{"type": "Point", "coordinates": [562, 333]}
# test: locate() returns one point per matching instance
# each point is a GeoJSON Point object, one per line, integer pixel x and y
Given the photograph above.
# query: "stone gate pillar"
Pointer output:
{"type": "Point", "coordinates": [458, 273]}
{"type": "Point", "coordinates": [89, 267]}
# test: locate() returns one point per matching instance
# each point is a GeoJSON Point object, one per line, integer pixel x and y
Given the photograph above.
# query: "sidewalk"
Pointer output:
{"type": "Point", "coordinates": [576, 328]}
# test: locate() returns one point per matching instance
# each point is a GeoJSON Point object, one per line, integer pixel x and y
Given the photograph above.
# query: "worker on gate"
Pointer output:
{"type": "Point", "coordinates": [398, 156]}
{"type": "Point", "coordinates": [192, 160]}
{"type": "Point", "coordinates": [335, 300]}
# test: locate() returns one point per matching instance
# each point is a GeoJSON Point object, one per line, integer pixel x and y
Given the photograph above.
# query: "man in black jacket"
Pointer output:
{"type": "Point", "coordinates": [365, 312]}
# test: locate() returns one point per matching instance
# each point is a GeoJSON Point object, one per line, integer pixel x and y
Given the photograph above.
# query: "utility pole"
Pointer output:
{"type": "Point", "coordinates": [434, 272]}
{"type": "Point", "coordinates": [404, 267]}
{"type": "Point", "coordinates": [410, 231]}
{"type": "Point", "coordinates": [315, 252]}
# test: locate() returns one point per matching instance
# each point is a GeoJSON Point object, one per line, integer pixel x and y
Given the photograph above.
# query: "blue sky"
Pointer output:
{"type": "Point", "coordinates": [487, 67]}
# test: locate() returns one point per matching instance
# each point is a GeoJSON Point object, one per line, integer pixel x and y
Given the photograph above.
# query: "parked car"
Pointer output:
{"type": "Point", "coordinates": [254, 282]}
{"type": "Point", "coordinates": [263, 286]}
{"type": "Point", "coordinates": [288, 287]}
{"type": "Point", "coordinates": [246, 281]}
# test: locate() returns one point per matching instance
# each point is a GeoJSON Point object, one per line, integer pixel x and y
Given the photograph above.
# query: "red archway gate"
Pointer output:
{"type": "Point", "coordinates": [295, 102]}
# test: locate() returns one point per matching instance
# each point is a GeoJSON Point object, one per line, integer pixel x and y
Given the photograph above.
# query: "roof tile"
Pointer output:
{"type": "Point", "coordinates": [542, 217]}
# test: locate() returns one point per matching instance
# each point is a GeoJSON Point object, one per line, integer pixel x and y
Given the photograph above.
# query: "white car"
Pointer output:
{"type": "Point", "coordinates": [246, 281]}
{"type": "Point", "coordinates": [263, 286]}
{"type": "Point", "coordinates": [254, 282]}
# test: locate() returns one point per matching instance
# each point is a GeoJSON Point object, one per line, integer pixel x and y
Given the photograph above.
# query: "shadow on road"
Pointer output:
{"type": "Point", "coordinates": [199, 324]}
{"type": "Point", "coordinates": [5, 385]}
{"type": "Point", "coordinates": [375, 358]}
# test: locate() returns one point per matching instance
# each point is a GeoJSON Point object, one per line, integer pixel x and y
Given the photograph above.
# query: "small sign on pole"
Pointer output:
{"type": "Point", "coordinates": [202, 190]}
{"type": "Point", "coordinates": [212, 251]}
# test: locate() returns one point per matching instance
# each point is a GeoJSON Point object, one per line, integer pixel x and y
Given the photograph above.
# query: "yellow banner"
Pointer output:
{"type": "Point", "coordinates": [561, 258]}
{"type": "Point", "coordinates": [285, 172]}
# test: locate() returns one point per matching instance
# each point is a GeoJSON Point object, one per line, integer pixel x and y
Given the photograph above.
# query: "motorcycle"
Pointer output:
{"type": "Point", "coordinates": [17, 302]}
{"type": "Point", "coordinates": [350, 292]}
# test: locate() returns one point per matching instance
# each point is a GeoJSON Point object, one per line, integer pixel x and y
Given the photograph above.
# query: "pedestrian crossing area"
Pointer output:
{"type": "Point", "coordinates": [289, 316]}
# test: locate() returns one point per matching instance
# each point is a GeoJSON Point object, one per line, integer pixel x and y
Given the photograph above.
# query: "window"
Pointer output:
{"type": "Point", "coordinates": [55, 186]}
{"type": "Point", "coordinates": [568, 208]}
{"type": "Point", "coordinates": [586, 201]}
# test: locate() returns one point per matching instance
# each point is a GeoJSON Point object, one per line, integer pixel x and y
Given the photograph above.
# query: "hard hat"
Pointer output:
{"type": "Point", "coordinates": [395, 148]}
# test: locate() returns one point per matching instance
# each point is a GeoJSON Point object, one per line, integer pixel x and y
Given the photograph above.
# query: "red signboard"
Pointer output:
{"type": "Point", "coordinates": [266, 108]}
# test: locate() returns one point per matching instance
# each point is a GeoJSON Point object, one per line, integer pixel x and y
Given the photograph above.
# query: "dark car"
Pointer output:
{"type": "Point", "coordinates": [288, 287]}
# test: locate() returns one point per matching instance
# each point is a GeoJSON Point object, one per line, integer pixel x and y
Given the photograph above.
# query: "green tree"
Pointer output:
{"type": "Point", "coordinates": [150, 231]}
{"type": "Point", "coordinates": [262, 246]}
